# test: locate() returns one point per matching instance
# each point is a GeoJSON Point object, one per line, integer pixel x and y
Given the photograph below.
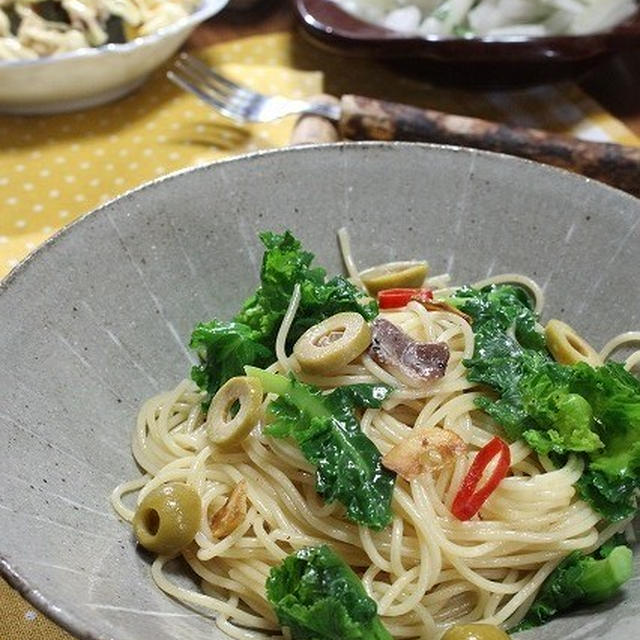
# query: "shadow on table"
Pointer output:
{"type": "Point", "coordinates": [523, 107]}
{"type": "Point", "coordinates": [133, 111]}
{"type": "Point", "coordinates": [221, 136]}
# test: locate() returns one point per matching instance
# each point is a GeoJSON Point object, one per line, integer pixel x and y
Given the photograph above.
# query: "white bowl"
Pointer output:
{"type": "Point", "coordinates": [92, 76]}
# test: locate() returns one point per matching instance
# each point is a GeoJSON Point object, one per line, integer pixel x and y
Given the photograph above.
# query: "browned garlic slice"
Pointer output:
{"type": "Point", "coordinates": [426, 450]}
{"type": "Point", "coordinates": [438, 305]}
{"type": "Point", "coordinates": [229, 517]}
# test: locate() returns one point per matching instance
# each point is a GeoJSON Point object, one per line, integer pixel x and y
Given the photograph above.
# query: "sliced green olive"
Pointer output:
{"type": "Point", "coordinates": [168, 517]}
{"type": "Point", "coordinates": [475, 632]}
{"type": "Point", "coordinates": [234, 411]}
{"type": "Point", "coordinates": [333, 343]}
{"type": "Point", "coordinates": [567, 347]}
{"type": "Point", "coordinates": [394, 274]}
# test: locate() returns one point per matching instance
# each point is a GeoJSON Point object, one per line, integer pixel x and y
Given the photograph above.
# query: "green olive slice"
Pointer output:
{"type": "Point", "coordinates": [168, 518]}
{"type": "Point", "coordinates": [234, 411]}
{"type": "Point", "coordinates": [394, 274]}
{"type": "Point", "coordinates": [333, 343]}
{"type": "Point", "coordinates": [567, 347]}
{"type": "Point", "coordinates": [475, 632]}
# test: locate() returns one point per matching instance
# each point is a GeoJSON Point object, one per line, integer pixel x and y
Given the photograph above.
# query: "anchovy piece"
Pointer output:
{"type": "Point", "coordinates": [419, 361]}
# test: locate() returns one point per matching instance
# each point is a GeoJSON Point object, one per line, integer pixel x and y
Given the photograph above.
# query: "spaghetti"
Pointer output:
{"type": "Point", "coordinates": [426, 570]}
{"type": "Point", "coordinates": [30, 30]}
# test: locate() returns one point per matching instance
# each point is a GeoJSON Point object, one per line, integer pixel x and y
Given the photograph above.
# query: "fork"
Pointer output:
{"type": "Point", "coordinates": [236, 102]}
{"type": "Point", "coordinates": [360, 118]}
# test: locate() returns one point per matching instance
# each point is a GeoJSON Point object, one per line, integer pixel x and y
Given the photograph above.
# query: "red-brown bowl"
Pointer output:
{"type": "Point", "coordinates": [512, 61]}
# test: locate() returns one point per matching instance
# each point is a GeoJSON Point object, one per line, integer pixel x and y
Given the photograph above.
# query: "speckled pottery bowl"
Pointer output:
{"type": "Point", "coordinates": [97, 320]}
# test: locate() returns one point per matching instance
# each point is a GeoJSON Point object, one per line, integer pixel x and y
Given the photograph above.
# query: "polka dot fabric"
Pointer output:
{"type": "Point", "coordinates": [20, 621]}
{"type": "Point", "coordinates": [54, 169]}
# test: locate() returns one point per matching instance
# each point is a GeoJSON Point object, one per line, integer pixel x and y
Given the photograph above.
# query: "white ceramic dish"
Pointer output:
{"type": "Point", "coordinates": [90, 77]}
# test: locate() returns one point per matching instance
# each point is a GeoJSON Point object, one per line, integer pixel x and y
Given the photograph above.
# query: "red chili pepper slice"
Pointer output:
{"type": "Point", "coordinates": [400, 297]}
{"type": "Point", "coordinates": [469, 498]}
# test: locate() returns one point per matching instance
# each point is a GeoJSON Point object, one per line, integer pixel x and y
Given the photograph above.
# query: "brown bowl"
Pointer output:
{"type": "Point", "coordinates": [479, 62]}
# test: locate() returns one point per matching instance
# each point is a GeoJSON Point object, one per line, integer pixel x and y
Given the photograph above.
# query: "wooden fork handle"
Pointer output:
{"type": "Point", "coordinates": [369, 119]}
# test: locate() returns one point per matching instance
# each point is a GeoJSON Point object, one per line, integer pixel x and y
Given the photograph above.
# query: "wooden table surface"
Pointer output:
{"type": "Point", "coordinates": [616, 84]}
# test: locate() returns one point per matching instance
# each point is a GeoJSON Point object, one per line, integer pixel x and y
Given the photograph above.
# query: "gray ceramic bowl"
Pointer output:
{"type": "Point", "coordinates": [97, 320]}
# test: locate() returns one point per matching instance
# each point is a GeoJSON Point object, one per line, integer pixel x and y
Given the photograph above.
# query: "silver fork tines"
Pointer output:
{"type": "Point", "coordinates": [235, 101]}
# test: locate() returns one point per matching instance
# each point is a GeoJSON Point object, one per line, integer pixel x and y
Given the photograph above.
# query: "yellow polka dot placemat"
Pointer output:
{"type": "Point", "coordinates": [53, 169]}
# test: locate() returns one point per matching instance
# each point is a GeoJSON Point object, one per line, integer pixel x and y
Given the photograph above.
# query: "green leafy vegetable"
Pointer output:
{"type": "Point", "coordinates": [318, 597]}
{"type": "Point", "coordinates": [348, 465]}
{"type": "Point", "coordinates": [581, 579]}
{"type": "Point", "coordinates": [612, 476]}
{"type": "Point", "coordinates": [284, 265]}
{"type": "Point", "coordinates": [224, 348]}
{"type": "Point", "coordinates": [614, 499]}
{"type": "Point", "coordinates": [594, 411]}
{"type": "Point", "coordinates": [556, 409]}
{"type": "Point", "coordinates": [508, 346]}
{"type": "Point", "coordinates": [614, 395]}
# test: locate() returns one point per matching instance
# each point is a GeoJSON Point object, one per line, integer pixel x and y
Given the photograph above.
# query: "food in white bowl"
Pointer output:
{"type": "Point", "coordinates": [30, 30]}
{"type": "Point", "coordinates": [493, 18]}
{"type": "Point", "coordinates": [68, 78]}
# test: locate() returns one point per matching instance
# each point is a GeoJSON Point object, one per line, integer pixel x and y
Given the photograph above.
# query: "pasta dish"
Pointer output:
{"type": "Point", "coordinates": [30, 30]}
{"type": "Point", "coordinates": [389, 456]}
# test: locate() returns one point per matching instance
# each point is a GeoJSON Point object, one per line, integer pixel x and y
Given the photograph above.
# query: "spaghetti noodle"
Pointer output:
{"type": "Point", "coordinates": [426, 570]}
{"type": "Point", "coordinates": [30, 30]}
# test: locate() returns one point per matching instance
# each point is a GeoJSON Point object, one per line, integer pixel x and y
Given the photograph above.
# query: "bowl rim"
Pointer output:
{"type": "Point", "coordinates": [206, 9]}
{"type": "Point", "coordinates": [10, 572]}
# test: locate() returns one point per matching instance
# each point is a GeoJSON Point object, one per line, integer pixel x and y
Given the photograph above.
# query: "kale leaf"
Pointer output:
{"type": "Point", "coordinates": [318, 597]}
{"type": "Point", "coordinates": [558, 419]}
{"type": "Point", "coordinates": [594, 411]}
{"type": "Point", "coordinates": [557, 409]}
{"type": "Point", "coordinates": [348, 465]}
{"type": "Point", "coordinates": [508, 346]}
{"type": "Point", "coordinates": [284, 265]}
{"type": "Point", "coordinates": [614, 395]}
{"type": "Point", "coordinates": [612, 478]}
{"type": "Point", "coordinates": [581, 579]}
{"type": "Point", "coordinates": [614, 499]}
{"type": "Point", "coordinates": [224, 348]}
